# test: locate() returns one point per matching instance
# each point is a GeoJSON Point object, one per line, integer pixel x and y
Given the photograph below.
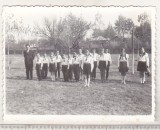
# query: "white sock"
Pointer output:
{"type": "Point", "coordinates": [89, 81]}
{"type": "Point", "coordinates": [144, 78]}
{"type": "Point", "coordinates": [140, 80]}
{"type": "Point", "coordinates": [85, 82]}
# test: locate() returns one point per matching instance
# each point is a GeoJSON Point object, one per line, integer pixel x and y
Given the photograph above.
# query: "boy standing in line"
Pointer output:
{"type": "Point", "coordinates": [108, 62]}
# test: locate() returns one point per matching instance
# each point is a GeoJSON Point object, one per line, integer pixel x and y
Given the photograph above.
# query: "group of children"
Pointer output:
{"type": "Point", "coordinates": [79, 65]}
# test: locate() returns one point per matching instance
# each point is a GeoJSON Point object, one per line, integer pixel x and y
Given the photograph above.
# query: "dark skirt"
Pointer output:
{"type": "Point", "coordinates": [142, 66]}
{"type": "Point", "coordinates": [38, 71]}
{"type": "Point", "coordinates": [45, 67]}
{"type": "Point", "coordinates": [123, 68]}
{"type": "Point", "coordinates": [52, 67]}
{"type": "Point", "coordinates": [76, 71]}
{"type": "Point", "coordinates": [65, 72]}
{"type": "Point", "coordinates": [102, 65]}
{"type": "Point", "coordinates": [87, 69]}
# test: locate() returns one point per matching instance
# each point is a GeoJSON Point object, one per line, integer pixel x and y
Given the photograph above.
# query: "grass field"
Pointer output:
{"type": "Point", "coordinates": [64, 98]}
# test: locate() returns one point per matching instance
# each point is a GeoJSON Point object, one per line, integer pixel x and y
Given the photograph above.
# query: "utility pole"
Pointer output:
{"type": "Point", "coordinates": [138, 48]}
{"type": "Point", "coordinates": [133, 51]}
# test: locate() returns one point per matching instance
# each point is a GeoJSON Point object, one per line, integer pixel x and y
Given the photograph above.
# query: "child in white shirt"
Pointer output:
{"type": "Point", "coordinates": [87, 67]}
{"type": "Point", "coordinates": [39, 66]}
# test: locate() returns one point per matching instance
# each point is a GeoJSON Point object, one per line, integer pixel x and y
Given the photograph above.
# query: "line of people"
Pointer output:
{"type": "Point", "coordinates": [79, 65]}
{"type": "Point", "coordinates": [75, 65]}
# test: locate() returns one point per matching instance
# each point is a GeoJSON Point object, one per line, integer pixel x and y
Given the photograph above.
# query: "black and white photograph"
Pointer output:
{"type": "Point", "coordinates": [79, 60]}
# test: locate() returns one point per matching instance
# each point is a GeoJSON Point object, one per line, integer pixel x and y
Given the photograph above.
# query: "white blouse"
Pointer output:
{"type": "Point", "coordinates": [38, 60]}
{"type": "Point", "coordinates": [108, 57]}
{"type": "Point", "coordinates": [45, 60]}
{"type": "Point", "coordinates": [76, 60]}
{"type": "Point", "coordinates": [144, 58]}
{"type": "Point", "coordinates": [58, 58]}
{"type": "Point", "coordinates": [64, 61]}
{"type": "Point", "coordinates": [102, 57]}
{"type": "Point", "coordinates": [88, 60]}
{"type": "Point", "coordinates": [70, 60]}
{"type": "Point", "coordinates": [80, 56]}
{"type": "Point", "coordinates": [95, 56]}
{"type": "Point", "coordinates": [52, 60]}
{"type": "Point", "coordinates": [123, 58]}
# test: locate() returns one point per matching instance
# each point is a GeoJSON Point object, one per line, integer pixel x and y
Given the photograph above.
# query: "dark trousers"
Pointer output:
{"type": "Point", "coordinates": [38, 71]}
{"type": "Point", "coordinates": [80, 72]}
{"type": "Point", "coordinates": [70, 73]}
{"type": "Point", "coordinates": [58, 70]}
{"type": "Point", "coordinates": [29, 71]}
{"type": "Point", "coordinates": [76, 71]}
{"type": "Point", "coordinates": [65, 72]}
{"type": "Point", "coordinates": [102, 67]}
{"type": "Point", "coordinates": [44, 70]}
{"type": "Point", "coordinates": [94, 70]}
{"type": "Point", "coordinates": [102, 73]}
{"type": "Point", "coordinates": [107, 70]}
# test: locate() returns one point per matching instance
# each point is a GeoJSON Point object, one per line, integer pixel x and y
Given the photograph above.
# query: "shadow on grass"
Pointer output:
{"type": "Point", "coordinates": [73, 83]}
{"type": "Point", "coordinates": [20, 78]}
{"type": "Point", "coordinates": [106, 81]}
{"type": "Point", "coordinates": [119, 81]}
{"type": "Point", "coordinates": [15, 68]}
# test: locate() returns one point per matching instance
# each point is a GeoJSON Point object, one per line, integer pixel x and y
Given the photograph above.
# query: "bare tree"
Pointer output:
{"type": "Point", "coordinates": [74, 30]}
{"type": "Point", "coordinates": [67, 32]}
{"type": "Point", "coordinates": [48, 30]}
{"type": "Point", "coordinates": [70, 31]}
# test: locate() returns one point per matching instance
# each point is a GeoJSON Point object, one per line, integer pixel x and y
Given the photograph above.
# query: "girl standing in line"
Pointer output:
{"type": "Point", "coordinates": [123, 64]}
{"type": "Point", "coordinates": [87, 67]}
{"type": "Point", "coordinates": [143, 64]}
{"type": "Point", "coordinates": [52, 66]}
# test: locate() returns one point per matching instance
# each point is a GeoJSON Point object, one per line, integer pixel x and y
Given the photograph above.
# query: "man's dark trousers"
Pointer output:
{"type": "Point", "coordinates": [28, 59]}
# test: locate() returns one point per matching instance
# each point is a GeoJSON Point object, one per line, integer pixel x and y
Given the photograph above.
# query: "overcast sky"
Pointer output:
{"type": "Point", "coordinates": [31, 15]}
{"type": "Point", "coordinates": [36, 15]}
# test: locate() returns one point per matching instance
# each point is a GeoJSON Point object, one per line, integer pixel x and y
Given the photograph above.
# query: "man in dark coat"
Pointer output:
{"type": "Point", "coordinates": [28, 60]}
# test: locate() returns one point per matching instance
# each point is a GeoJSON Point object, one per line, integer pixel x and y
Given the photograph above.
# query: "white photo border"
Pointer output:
{"type": "Point", "coordinates": [85, 119]}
